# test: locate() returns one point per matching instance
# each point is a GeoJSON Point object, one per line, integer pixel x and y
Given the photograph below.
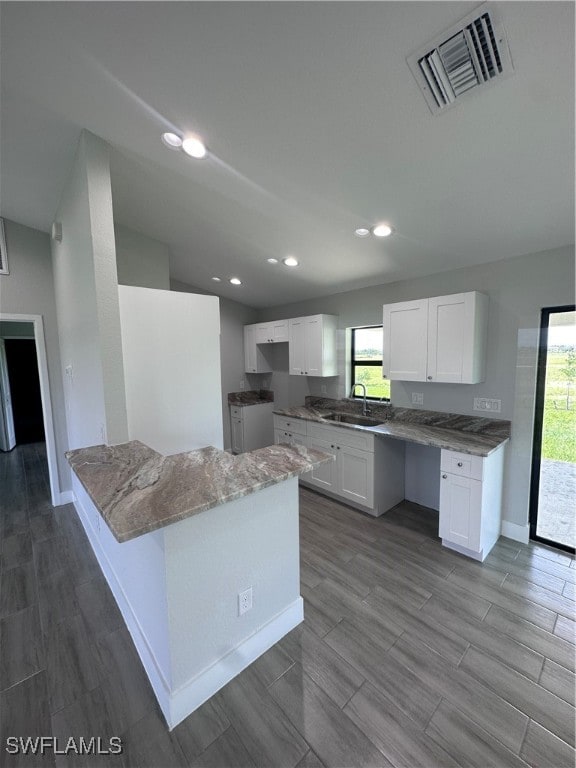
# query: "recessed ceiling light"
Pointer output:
{"type": "Point", "coordinates": [361, 232]}
{"type": "Point", "coordinates": [217, 279]}
{"type": "Point", "coordinates": [235, 281]}
{"type": "Point", "coordinates": [194, 147]}
{"type": "Point", "coordinates": [272, 261]}
{"type": "Point", "coordinates": [290, 261]}
{"type": "Point", "coordinates": [382, 230]}
{"type": "Point", "coordinates": [172, 140]}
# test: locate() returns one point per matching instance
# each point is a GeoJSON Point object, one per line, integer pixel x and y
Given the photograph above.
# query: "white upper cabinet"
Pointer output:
{"type": "Point", "coordinates": [312, 346]}
{"type": "Point", "coordinates": [439, 339]}
{"type": "Point", "coordinates": [405, 340]}
{"type": "Point", "coordinates": [254, 360]}
{"type": "Point", "coordinates": [272, 333]}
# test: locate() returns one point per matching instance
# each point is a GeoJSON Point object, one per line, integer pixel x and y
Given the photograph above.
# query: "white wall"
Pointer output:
{"type": "Point", "coordinates": [29, 289]}
{"type": "Point", "coordinates": [518, 289]}
{"type": "Point", "coordinates": [233, 318]}
{"type": "Point", "coordinates": [141, 260]}
{"type": "Point", "coordinates": [171, 346]}
{"type": "Point", "coordinates": [86, 288]}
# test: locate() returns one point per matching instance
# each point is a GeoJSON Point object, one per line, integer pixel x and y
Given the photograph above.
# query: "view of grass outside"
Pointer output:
{"type": "Point", "coordinates": [559, 427]}
{"type": "Point", "coordinates": [367, 362]}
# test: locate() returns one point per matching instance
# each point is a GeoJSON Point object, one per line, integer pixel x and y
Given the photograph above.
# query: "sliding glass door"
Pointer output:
{"type": "Point", "coordinates": [553, 490]}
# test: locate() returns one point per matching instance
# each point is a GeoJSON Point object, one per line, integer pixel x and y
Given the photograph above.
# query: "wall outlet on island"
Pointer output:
{"type": "Point", "coordinates": [323, 389]}
{"type": "Point", "coordinates": [244, 601]}
{"type": "Point", "coordinates": [417, 398]}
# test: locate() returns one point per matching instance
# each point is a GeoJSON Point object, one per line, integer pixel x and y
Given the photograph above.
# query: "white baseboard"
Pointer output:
{"type": "Point", "coordinates": [516, 532]}
{"type": "Point", "coordinates": [65, 497]}
{"type": "Point", "coordinates": [195, 692]}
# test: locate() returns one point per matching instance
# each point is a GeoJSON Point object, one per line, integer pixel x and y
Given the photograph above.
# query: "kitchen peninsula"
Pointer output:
{"type": "Point", "coordinates": [201, 552]}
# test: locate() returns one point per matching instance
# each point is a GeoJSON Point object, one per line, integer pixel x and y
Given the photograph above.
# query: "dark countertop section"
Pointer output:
{"type": "Point", "coordinates": [250, 397]}
{"type": "Point", "coordinates": [454, 432]}
{"type": "Point", "coordinates": [137, 490]}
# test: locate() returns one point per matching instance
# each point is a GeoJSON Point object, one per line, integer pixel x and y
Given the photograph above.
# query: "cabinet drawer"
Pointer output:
{"type": "Point", "coordinates": [352, 438]}
{"type": "Point", "coordinates": [290, 425]}
{"type": "Point", "coordinates": [462, 464]}
{"type": "Point", "coordinates": [235, 412]}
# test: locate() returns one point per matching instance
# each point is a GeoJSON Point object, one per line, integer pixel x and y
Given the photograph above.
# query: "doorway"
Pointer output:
{"type": "Point", "coordinates": [553, 487]}
{"type": "Point", "coordinates": [24, 381]}
{"type": "Point", "coordinates": [57, 497]}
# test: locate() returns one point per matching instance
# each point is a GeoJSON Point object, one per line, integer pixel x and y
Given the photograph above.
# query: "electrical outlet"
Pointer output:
{"type": "Point", "coordinates": [323, 389]}
{"type": "Point", "coordinates": [417, 398]}
{"type": "Point", "coordinates": [487, 404]}
{"type": "Point", "coordinates": [244, 601]}
{"type": "Point", "coordinates": [241, 383]}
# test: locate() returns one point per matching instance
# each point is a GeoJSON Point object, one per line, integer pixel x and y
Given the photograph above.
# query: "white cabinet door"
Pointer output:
{"type": "Point", "coordinates": [405, 340]}
{"type": "Point", "coordinates": [326, 475]}
{"type": "Point", "coordinates": [356, 475]}
{"type": "Point", "coordinates": [314, 348]}
{"type": "Point", "coordinates": [279, 330]}
{"type": "Point", "coordinates": [448, 342]}
{"type": "Point", "coordinates": [460, 510]}
{"type": "Point", "coordinates": [297, 346]}
{"type": "Point", "coordinates": [263, 333]}
{"type": "Point", "coordinates": [457, 334]}
{"type": "Point", "coordinates": [250, 348]}
{"type": "Point", "coordinates": [254, 359]}
{"type": "Point", "coordinates": [237, 430]}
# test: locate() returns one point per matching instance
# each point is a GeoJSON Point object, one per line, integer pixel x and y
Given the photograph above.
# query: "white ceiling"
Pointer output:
{"type": "Point", "coordinates": [315, 127]}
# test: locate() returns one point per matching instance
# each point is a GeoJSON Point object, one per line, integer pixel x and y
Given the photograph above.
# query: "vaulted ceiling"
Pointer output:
{"type": "Point", "coordinates": [315, 126]}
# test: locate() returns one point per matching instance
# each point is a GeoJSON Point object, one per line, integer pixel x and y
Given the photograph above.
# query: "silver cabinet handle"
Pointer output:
{"type": "Point", "coordinates": [338, 447]}
{"type": "Point", "coordinates": [459, 463]}
{"type": "Point", "coordinates": [429, 378]}
{"type": "Point", "coordinates": [384, 376]}
{"type": "Point", "coordinates": [444, 477]}
{"type": "Point", "coordinates": [331, 446]}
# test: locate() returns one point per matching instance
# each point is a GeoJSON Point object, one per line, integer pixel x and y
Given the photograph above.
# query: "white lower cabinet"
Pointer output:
{"type": "Point", "coordinates": [470, 501]}
{"type": "Point", "coordinates": [367, 473]}
{"type": "Point", "coordinates": [251, 426]}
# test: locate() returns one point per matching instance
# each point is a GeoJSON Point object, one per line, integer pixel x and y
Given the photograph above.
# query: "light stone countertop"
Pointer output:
{"type": "Point", "coordinates": [137, 490]}
{"type": "Point", "coordinates": [467, 434]}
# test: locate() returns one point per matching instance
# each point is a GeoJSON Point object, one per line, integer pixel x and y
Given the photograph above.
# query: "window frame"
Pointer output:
{"type": "Point", "coordinates": [354, 362]}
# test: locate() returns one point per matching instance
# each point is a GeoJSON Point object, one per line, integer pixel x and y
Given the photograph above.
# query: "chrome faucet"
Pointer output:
{"type": "Point", "coordinates": [365, 409]}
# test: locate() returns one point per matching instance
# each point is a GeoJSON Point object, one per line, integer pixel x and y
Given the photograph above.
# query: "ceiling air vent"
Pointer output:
{"type": "Point", "coordinates": [472, 53]}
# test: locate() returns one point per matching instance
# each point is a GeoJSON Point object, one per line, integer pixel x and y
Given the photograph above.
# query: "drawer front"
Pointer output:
{"type": "Point", "coordinates": [351, 438]}
{"type": "Point", "coordinates": [290, 425]}
{"type": "Point", "coordinates": [462, 464]}
{"type": "Point", "coordinates": [235, 412]}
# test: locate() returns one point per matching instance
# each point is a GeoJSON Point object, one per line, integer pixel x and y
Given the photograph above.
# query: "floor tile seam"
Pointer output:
{"type": "Point", "coordinates": [491, 629]}
{"type": "Point", "coordinates": [502, 695]}
{"type": "Point", "coordinates": [529, 603]}
{"type": "Point", "coordinates": [22, 680]}
{"type": "Point", "coordinates": [238, 730]}
{"type": "Point", "coordinates": [489, 736]}
{"type": "Point", "coordinates": [538, 586]}
{"type": "Point", "coordinates": [302, 734]}
{"type": "Point", "coordinates": [206, 748]}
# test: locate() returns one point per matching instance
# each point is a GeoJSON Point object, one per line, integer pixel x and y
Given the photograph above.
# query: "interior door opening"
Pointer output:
{"type": "Point", "coordinates": [553, 486]}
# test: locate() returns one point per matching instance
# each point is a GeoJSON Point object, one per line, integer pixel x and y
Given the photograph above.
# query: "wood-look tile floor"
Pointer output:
{"type": "Point", "coordinates": [410, 655]}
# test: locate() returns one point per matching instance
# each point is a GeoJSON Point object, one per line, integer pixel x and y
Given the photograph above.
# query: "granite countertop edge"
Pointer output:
{"type": "Point", "coordinates": [131, 484]}
{"type": "Point", "coordinates": [473, 443]}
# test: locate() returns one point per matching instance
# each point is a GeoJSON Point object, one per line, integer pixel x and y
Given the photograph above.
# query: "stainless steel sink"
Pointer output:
{"type": "Point", "coordinates": [354, 418]}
